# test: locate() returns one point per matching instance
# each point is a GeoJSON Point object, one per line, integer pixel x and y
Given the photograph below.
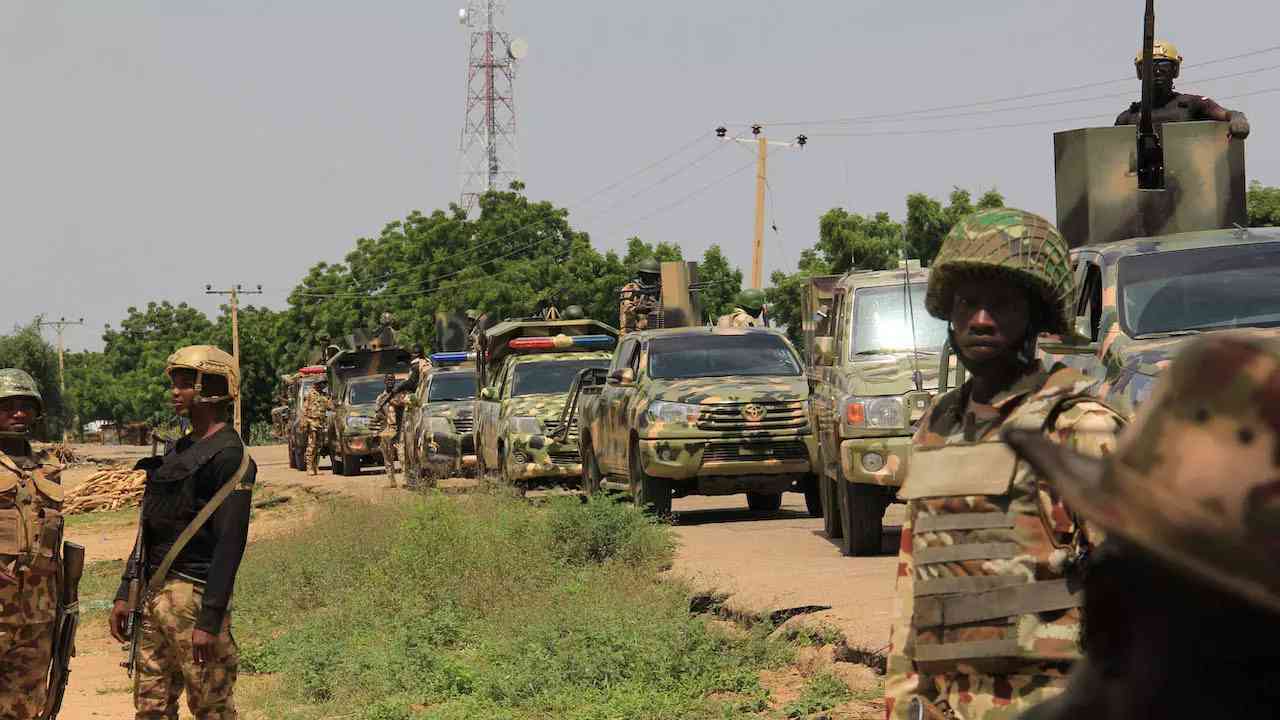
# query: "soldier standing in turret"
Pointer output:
{"type": "Point", "coordinates": [987, 621]}
{"type": "Point", "coordinates": [750, 305]}
{"type": "Point", "coordinates": [637, 297]}
{"type": "Point", "coordinates": [30, 545]}
{"type": "Point", "coordinates": [1169, 106]}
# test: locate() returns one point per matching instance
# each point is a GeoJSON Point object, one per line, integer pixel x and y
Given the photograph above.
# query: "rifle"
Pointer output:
{"type": "Point", "coordinates": [1150, 150]}
{"type": "Point", "coordinates": [136, 572]}
{"type": "Point", "coordinates": [64, 627]}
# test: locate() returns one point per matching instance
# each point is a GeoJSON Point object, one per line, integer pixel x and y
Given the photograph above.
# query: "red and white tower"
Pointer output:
{"type": "Point", "coordinates": [487, 153]}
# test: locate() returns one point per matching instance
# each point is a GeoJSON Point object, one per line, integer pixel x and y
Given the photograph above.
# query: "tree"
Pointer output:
{"type": "Point", "coordinates": [783, 294]}
{"type": "Point", "coordinates": [135, 357]}
{"type": "Point", "coordinates": [26, 349]}
{"type": "Point", "coordinates": [1264, 205]}
{"type": "Point", "coordinates": [725, 282]}
{"type": "Point", "coordinates": [849, 241]}
{"type": "Point", "coordinates": [928, 222]}
{"type": "Point", "coordinates": [638, 250]}
{"type": "Point", "coordinates": [261, 359]}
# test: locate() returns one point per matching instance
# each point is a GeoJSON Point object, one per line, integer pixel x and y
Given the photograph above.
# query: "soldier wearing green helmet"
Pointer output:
{"type": "Point", "coordinates": [30, 548]}
{"type": "Point", "coordinates": [989, 609]}
{"type": "Point", "coordinates": [750, 305]}
{"type": "Point", "coordinates": [640, 297]}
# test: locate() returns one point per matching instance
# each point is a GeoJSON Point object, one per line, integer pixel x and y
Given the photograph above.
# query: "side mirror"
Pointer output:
{"type": "Point", "coordinates": [488, 394]}
{"type": "Point", "coordinates": [625, 376]}
{"type": "Point", "coordinates": [824, 351]}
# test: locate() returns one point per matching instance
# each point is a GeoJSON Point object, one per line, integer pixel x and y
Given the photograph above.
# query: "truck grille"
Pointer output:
{"type": "Point", "coordinates": [729, 417]}
{"type": "Point", "coordinates": [551, 426]}
{"type": "Point", "coordinates": [464, 425]}
{"type": "Point", "coordinates": [565, 458]}
{"type": "Point", "coordinates": [747, 452]}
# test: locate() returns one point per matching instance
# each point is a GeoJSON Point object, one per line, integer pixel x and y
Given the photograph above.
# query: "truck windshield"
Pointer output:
{"type": "Point", "coordinates": [550, 377]}
{"type": "Point", "coordinates": [452, 386]}
{"type": "Point", "coordinates": [882, 321]}
{"type": "Point", "coordinates": [1202, 289]}
{"type": "Point", "coordinates": [693, 356]}
{"type": "Point", "coordinates": [366, 392]}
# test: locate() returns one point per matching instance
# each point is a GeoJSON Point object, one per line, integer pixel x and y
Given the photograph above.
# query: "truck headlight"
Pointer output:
{"type": "Point", "coordinates": [672, 412]}
{"type": "Point", "coordinates": [525, 425]}
{"type": "Point", "coordinates": [358, 423]}
{"type": "Point", "coordinates": [878, 413]}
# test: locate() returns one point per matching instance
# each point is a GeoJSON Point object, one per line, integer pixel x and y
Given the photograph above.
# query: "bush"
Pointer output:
{"type": "Point", "coordinates": [603, 529]}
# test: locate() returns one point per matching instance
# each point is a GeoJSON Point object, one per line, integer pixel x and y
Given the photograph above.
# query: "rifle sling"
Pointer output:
{"type": "Point", "coordinates": [202, 517]}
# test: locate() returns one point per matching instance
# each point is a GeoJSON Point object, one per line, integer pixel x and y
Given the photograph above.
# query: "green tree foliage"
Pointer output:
{"type": "Point", "coordinates": [638, 250]}
{"type": "Point", "coordinates": [848, 240]}
{"type": "Point", "coordinates": [26, 349]}
{"type": "Point", "coordinates": [928, 222]}
{"type": "Point", "coordinates": [135, 357]}
{"type": "Point", "coordinates": [725, 282]}
{"type": "Point", "coordinates": [784, 294]}
{"type": "Point", "coordinates": [1264, 205]}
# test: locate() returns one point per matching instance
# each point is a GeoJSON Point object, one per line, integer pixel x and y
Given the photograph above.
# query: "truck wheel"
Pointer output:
{"type": "Point", "coordinates": [335, 463]}
{"type": "Point", "coordinates": [764, 502]}
{"type": "Point", "coordinates": [861, 515]}
{"type": "Point", "coordinates": [590, 469]}
{"type": "Point", "coordinates": [831, 525]}
{"type": "Point", "coordinates": [351, 465]}
{"type": "Point", "coordinates": [812, 496]}
{"type": "Point", "coordinates": [648, 492]}
{"type": "Point", "coordinates": [293, 458]}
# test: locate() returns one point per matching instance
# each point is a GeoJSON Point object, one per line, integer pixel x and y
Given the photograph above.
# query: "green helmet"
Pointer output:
{"type": "Point", "coordinates": [17, 383]}
{"type": "Point", "coordinates": [649, 267]}
{"type": "Point", "coordinates": [751, 300]}
{"type": "Point", "coordinates": [1014, 244]}
{"type": "Point", "coordinates": [573, 312]}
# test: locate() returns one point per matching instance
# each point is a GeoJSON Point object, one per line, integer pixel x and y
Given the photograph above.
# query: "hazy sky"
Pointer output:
{"type": "Point", "coordinates": [150, 147]}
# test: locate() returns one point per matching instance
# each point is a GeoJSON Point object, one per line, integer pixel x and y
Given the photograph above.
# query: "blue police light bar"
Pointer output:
{"type": "Point", "coordinates": [603, 342]}
{"type": "Point", "coordinates": [452, 358]}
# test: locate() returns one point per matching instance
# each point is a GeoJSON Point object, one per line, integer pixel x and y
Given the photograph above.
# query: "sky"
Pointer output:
{"type": "Point", "coordinates": [148, 147]}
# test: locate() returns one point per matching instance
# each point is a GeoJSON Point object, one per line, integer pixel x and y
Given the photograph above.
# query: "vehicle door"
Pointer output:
{"type": "Point", "coordinates": [1083, 352]}
{"type": "Point", "coordinates": [829, 389]}
{"type": "Point", "coordinates": [488, 408]}
{"type": "Point", "coordinates": [613, 424]}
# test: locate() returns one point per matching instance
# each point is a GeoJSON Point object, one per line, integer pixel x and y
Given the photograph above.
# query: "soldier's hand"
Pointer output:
{"type": "Point", "coordinates": [119, 621]}
{"type": "Point", "coordinates": [1239, 127]}
{"type": "Point", "coordinates": [202, 644]}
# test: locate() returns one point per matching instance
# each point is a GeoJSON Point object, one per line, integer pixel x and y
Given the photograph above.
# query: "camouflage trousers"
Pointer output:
{"type": "Point", "coordinates": [390, 454]}
{"type": "Point", "coordinates": [977, 696]}
{"type": "Point", "coordinates": [313, 451]}
{"type": "Point", "coordinates": [25, 651]}
{"type": "Point", "coordinates": [167, 666]}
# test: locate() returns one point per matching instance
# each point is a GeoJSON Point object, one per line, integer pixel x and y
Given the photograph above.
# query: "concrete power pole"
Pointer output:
{"type": "Point", "coordinates": [762, 181]}
{"type": "Point", "coordinates": [235, 292]}
{"type": "Point", "coordinates": [60, 324]}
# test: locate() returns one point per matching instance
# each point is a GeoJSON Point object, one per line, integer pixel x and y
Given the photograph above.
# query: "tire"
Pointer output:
{"type": "Point", "coordinates": [350, 465]}
{"type": "Point", "coordinates": [649, 493]}
{"type": "Point", "coordinates": [504, 472]}
{"type": "Point", "coordinates": [764, 502]}
{"type": "Point", "coordinates": [812, 497]}
{"type": "Point", "coordinates": [293, 458]}
{"type": "Point", "coordinates": [335, 463]}
{"type": "Point", "coordinates": [590, 469]}
{"type": "Point", "coordinates": [861, 518]}
{"type": "Point", "coordinates": [831, 525]}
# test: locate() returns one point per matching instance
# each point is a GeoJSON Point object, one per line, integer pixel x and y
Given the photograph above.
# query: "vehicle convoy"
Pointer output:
{"type": "Point", "coordinates": [298, 386]}
{"type": "Point", "coordinates": [439, 420]}
{"type": "Point", "coordinates": [873, 354]}
{"type": "Point", "coordinates": [356, 378]}
{"type": "Point", "coordinates": [525, 368]}
{"type": "Point", "coordinates": [697, 411]}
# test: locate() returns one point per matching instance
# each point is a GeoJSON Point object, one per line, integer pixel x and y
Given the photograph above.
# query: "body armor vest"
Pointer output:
{"type": "Point", "coordinates": [986, 593]}
{"type": "Point", "coordinates": [169, 503]}
{"type": "Point", "coordinates": [30, 539]}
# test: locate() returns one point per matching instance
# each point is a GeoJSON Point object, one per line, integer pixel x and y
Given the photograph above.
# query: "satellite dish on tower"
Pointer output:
{"type": "Point", "coordinates": [518, 49]}
{"type": "Point", "coordinates": [462, 16]}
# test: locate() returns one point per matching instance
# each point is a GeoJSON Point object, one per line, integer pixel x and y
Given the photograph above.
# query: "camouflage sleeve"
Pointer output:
{"type": "Point", "coordinates": [1089, 428]}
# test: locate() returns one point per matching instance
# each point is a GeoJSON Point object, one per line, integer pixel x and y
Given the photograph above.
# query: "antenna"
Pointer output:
{"type": "Point", "coordinates": [487, 151]}
{"type": "Point", "coordinates": [916, 376]}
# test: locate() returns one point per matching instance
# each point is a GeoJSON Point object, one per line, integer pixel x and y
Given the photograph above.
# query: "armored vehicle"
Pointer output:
{"type": "Point", "coordinates": [697, 411]}
{"type": "Point", "coordinates": [298, 386]}
{"type": "Point", "coordinates": [351, 441]}
{"type": "Point", "coordinates": [873, 354]}
{"type": "Point", "coordinates": [525, 368]}
{"type": "Point", "coordinates": [439, 419]}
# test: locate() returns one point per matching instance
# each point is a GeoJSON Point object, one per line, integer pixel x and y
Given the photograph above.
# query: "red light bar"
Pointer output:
{"type": "Point", "coordinates": [312, 370]}
{"type": "Point", "coordinates": [533, 343]}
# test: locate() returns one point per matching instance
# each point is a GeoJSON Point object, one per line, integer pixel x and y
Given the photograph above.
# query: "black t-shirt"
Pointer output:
{"type": "Point", "coordinates": [1181, 107]}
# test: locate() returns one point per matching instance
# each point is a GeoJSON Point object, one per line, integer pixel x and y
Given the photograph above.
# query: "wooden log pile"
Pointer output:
{"type": "Point", "coordinates": [109, 489]}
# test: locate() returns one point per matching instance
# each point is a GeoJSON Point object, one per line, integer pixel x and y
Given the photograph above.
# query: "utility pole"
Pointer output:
{"type": "Point", "coordinates": [60, 324]}
{"type": "Point", "coordinates": [235, 292]}
{"type": "Point", "coordinates": [762, 144]}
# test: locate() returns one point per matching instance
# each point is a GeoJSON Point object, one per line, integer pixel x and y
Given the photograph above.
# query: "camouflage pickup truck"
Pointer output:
{"type": "Point", "coordinates": [439, 420]}
{"type": "Point", "coordinates": [698, 411]}
{"type": "Point", "coordinates": [873, 352]}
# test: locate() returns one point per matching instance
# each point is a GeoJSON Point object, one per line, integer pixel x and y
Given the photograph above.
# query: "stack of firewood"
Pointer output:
{"type": "Point", "coordinates": [105, 490]}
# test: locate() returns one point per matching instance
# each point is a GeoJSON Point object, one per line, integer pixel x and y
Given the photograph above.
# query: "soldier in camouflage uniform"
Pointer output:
{"type": "Point", "coordinates": [747, 314]}
{"type": "Point", "coordinates": [313, 414]}
{"type": "Point", "coordinates": [30, 544]}
{"type": "Point", "coordinates": [1171, 106]}
{"type": "Point", "coordinates": [387, 425]}
{"type": "Point", "coordinates": [1183, 599]}
{"type": "Point", "coordinates": [635, 307]}
{"type": "Point", "coordinates": [987, 622]}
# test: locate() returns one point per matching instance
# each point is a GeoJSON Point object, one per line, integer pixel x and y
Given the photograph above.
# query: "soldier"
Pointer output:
{"type": "Point", "coordinates": [1183, 599]}
{"type": "Point", "coordinates": [314, 408]}
{"type": "Point", "coordinates": [1170, 106]}
{"type": "Point", "coordinates": [193, 529]}
{"type": "Point", "coordinates": [637, 297]}
{"type": "Point", "coordinates": [987, 623]}
{"type": "Point", "coordinates": [30, 544]}
{"type": "Point", "coordinates": [747, 313]}
{"type": "Point", "coordinates": [390, 404]}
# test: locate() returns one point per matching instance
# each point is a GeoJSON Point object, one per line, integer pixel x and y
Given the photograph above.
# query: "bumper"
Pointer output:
{"type": "Point", "coordinates": [728, 457]}
{"type": "Point", "coordinates": [896, 454]}
{"type": "Point", "coordinates": [361, 445]}
{"type": "Point", "coordinates": [538, 456]}
{"type": "Point", "coordinates": [449, 452]}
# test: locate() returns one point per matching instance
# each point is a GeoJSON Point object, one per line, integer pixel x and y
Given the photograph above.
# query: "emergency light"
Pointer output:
{"type": "Point", "coordinates": [452, 358]}
{"type": "Point", "coordinates": [312, 370]}
{"type": "Point", "coordinates": [563, 342]}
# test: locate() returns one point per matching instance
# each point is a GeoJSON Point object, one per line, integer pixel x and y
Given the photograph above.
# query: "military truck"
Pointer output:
{"type": "Point", "coordinates": [698, 411]}
{"type": "Point", "coordinates": [525, 368]}
{"type": "Point", "coordinates": [356, 378]}
{"type": "Point", "coordinates": [873, 364]}
{"type": "Point", "coordinates": [299, 386]}
{"type": "Point", "coordinates": [439, 419]}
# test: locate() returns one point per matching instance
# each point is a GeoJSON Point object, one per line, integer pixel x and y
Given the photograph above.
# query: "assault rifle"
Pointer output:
{"type": "Point", "coordinates": [64, 627]}
{"type": "Point", "coordinates": [136, 573]}
{"type": "Point", "coordinates": [1150, 150]}
{"type": "Point", "coordinates": [655, 291]}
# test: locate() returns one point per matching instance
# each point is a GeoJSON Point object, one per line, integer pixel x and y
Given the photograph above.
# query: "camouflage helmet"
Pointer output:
{"type": "Point", "coordinates": [751, 300]}
{"type": "Point", "coordinates": [1015, 244]}
{"type": "Point", "coordinates": [206, 360]}
{"type": "Point", "coordinates": [649, 266]}
{"type": "Point", "coordinates": [17, 383]}
{"type": "Point", "coordinates": [1162, 50]}
{"type": "Point", "coordinates": [473, 314]}
{"type": "Point", "coordinates": [1193, 481]}
{"type": "Point", "coordinates": [573, 312]}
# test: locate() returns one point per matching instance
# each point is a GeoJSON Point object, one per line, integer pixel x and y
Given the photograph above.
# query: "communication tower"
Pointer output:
{"type": "Point", "coordinates": [487, 153]}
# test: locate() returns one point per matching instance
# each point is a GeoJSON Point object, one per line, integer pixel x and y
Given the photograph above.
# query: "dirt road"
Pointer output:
{"type": "Point", "coordinates": [764, 562]}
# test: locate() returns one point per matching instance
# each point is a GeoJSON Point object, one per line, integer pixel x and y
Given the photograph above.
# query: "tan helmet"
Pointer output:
{"type": "Point", "coordinates": [1195, 480]}
{"type": "Point", "coordinates": [206, 360]}
{"type": "Point", "coordinates": [1162, 50]}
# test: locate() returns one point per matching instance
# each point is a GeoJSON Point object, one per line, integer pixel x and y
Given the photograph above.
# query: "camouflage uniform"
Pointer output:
{"type": "Point", "coordinates": [388, 428]}
{"type": "Point", "coordinates": [165, 659]}
{"type": "Point", "coordinates": [634, 308]}
{"type": "Point", "coordinates": [30, 541]}
{"type": "Point", "coordinates": [313, 413]}
{"type": "Point", "coordinates": [739, 318]}
{"type": "Point", "coordinates": [987, 622]}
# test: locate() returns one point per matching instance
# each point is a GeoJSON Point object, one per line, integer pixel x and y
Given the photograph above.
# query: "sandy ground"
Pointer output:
{"type": "Point", "coordinates": [764, 563]}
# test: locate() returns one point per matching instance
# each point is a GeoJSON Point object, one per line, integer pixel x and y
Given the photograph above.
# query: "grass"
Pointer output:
{"type": "Point", "coordinates": [107, 518]}
{"type": "Point", "coordinates": [824, 691]}
{"type": "Point", "coordinates": [485, 606]}
{"type": "Point", "coordinates": [98, 586]}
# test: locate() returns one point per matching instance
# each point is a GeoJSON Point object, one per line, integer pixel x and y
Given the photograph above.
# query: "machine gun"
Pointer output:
{"type": "Point", "coordinates": [1150, 157]}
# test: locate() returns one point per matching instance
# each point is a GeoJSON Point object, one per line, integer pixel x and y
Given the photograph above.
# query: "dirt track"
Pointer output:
{"type": "Point", "coordinates": [765, 563]}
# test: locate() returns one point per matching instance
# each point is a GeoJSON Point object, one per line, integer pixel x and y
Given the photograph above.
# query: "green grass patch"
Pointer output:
{"type": "Point", "coordinates": [98, 586]}
{"type": "Point", "coordinates": [108, 518]}
{"type": "Point", "coordinates": [484, 606]}
{"type": "Point", "coordinates": [824, 691]}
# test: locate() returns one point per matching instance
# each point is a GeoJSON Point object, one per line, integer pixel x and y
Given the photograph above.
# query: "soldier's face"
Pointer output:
{"type": "Point", "coordinates": [989, 320]}
{"type": "Point", "coordinates": [17, 414]}
{"type": "Point", "coordinates": [182, 392]}
{"type": "Point", "coordinates": [1162, 72]}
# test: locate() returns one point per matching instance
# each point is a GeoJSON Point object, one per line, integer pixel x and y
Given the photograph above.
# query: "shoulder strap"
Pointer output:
{"type": "Point", "coordinates": [202, 517]}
